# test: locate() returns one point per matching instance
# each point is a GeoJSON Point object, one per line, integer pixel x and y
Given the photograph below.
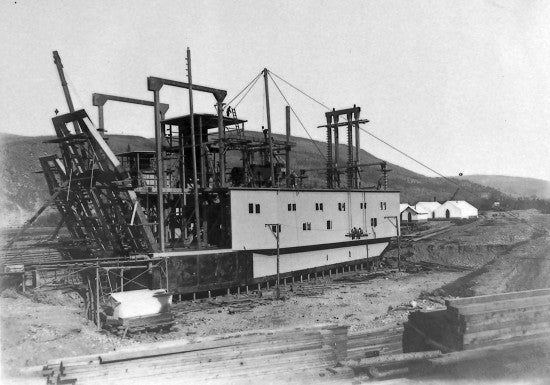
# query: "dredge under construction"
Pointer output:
{"type": "Point", "coordinates": [213, 207]}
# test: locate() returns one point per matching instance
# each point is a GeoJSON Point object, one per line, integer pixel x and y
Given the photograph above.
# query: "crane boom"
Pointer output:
{"type": "Point", "coordinates": [59, 65]}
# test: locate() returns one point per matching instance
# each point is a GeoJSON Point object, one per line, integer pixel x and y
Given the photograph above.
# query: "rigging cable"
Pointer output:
{"type": "Point", "coordinates": [299, 90]}
{"type": "Point", "coordinates": [387, 144]}
{"type": "Point", "coordinates": [246, 93]}
{"type": "Point", "coordinates": [254, 80]}
{"type": "Point", "coordinates": [297, 117]}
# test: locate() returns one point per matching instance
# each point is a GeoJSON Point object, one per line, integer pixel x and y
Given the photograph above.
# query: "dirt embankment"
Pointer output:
{"type": "Point", "coordinates": [474, 244]}
{"type": "Point", "coordinates": [505, 251]}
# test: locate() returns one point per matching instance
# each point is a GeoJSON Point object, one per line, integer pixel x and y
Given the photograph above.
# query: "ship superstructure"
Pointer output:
{"type": "Point", "coordinates": [209, 199]}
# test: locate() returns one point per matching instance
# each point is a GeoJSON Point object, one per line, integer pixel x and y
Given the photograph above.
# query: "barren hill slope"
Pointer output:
{"type": "Point", "coordinates": [23, 190]}
{"type": "Point", "coordinates": [513, 185]}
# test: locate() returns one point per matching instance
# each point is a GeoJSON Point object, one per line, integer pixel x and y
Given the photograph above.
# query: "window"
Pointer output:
{"type": "Point", "coordinates": [363, 205]}
{"type": "Point", "coordinates": [292, 207]}
{"type": "Point", "coordinates": [274, 228]}
{"type": "Point", "coordinates": [382, 205]}
{"type": "Point", "coordinates": [309, 225]}
{"type": "Point", "coordinates": [374, 222]}
{"type": "Point", "coordinates": [341, 206]}
{"type": "Point", "coordinates": [251, 208]}
{"type": "Point", "coordinates": [318, 207]}
{"type": "Point", "coordinates": [306, 226]}
{"type": "Point", "coordinates": [329, 225]}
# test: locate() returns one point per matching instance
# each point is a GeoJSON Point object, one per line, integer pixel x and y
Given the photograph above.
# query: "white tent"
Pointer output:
{"type": "Point", "coordinates": [427, 207]}
{"type": "Point", "coordinates": [410, 214]}
{"type": "Point", "coordinates": [456, 209]}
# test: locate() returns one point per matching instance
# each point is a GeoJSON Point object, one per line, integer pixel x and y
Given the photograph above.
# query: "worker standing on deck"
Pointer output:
{"type": "Point", "coordinates": [293, 177]}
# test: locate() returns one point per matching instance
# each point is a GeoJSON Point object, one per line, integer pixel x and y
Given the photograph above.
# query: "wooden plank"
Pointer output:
{"type": "Point", "coordinates": [170, 350]}
{"type": "Point", "coordinates": [503, 315]}
{"type": "Point", "coordinates": [202, 372]}
{"type": "Point", "coordinates": [157, 347]}
{"type": "Point", "coordinates": [291, 374]}
{"type": "Point", "coordinates": [374, 342]}
{"type": "Point", "coordinates": [456, 302]}
{"type": "Point", "coordinates": [252, 361]}
{"type": "Point", "coordinates": [205, 357]}
{"type": "Point", "coordinates": [505, 321]}
{"type": "Point", "coordinates": [517, 303]}
{"type": "Point", "coordinates": [507, 333]}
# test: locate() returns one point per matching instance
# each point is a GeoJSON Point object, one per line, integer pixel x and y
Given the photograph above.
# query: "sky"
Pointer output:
{"type": "Point", "coordinates": [462, 86]}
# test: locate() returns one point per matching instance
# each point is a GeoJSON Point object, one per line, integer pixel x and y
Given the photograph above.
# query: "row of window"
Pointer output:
{"type": "Point", "coordinates": [306, 226]}
{"type": "Point", "coordinates": [318, 207]}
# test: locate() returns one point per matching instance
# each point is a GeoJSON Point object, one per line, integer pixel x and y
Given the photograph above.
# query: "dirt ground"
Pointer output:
{"type": "Point", "coordinates": [499, 253]}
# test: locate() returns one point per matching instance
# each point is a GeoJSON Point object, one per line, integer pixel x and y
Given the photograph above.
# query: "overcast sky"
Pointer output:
{"type": "Point", "coordinates": [463, 86]}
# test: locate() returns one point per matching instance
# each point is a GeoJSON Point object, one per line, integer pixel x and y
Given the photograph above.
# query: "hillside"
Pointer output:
{"type": "Point", "coordinates": [23, 190]}
{"type": "Point", "coordinates": [515, 186]}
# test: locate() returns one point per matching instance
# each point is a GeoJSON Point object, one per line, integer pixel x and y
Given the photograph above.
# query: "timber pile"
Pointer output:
{"type": "Point", "coordinates": [476, 322]}
{"type": "Point", "coordinates": [375, 342]}
{"type": "Point", "coordinates": [296, 354]}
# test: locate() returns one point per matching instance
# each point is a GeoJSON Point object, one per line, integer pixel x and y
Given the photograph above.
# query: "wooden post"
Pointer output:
{"type": "Point", "coordinates": [194, 152]}
{"type": "Point", "coordinates": [98, 320]}
{"type": "Point", "coordinates": [278, 265]}
{"type": "Point", "coordinates": [160, 170]}
{"type": "Point", "coordinates": [166, 271]}
{"type": "Point", "coordinates": [268, 112]}
{"type": "Point", "coordinates": [287, 147]}
{"type": "Point", "coordinates": [121, 279]}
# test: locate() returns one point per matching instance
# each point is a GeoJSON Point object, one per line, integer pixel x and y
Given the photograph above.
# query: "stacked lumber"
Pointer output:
{"type": "Point", "coordinates": [475, 322]}
{"type": "Point", "coordinates": [284, 355]}
{"type": "Point", "coordinates": [375, 342]}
